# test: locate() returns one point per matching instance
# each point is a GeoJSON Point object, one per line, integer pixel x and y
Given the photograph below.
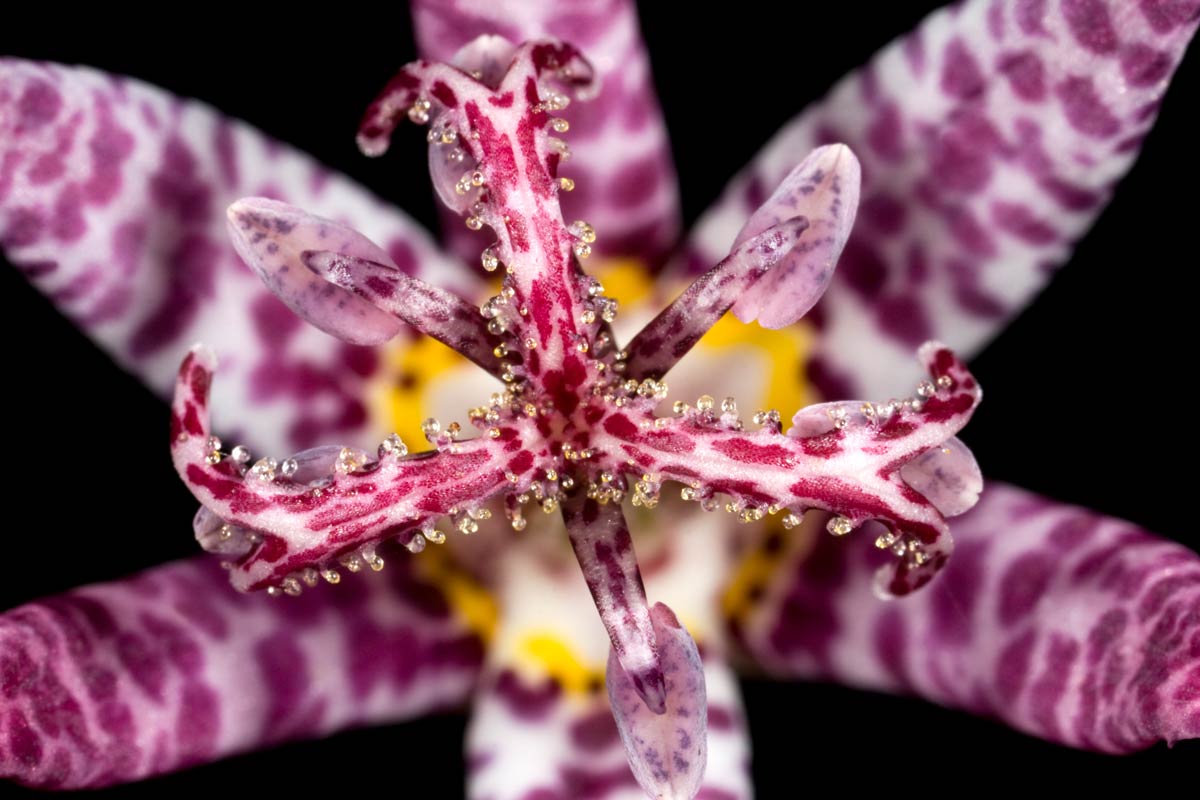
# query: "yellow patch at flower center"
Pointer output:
{"type": "Point", "coordinates": [552, 656]}
{"type": "Point", "coordinates": [472, 604]}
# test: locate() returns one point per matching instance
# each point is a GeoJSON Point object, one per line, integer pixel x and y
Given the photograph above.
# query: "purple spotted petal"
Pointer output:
{"type": "Point", "coordinates": [990, 139]}
{"type": "Point", "coordinates": [669, 336]}
{"type": "Point", "coordinates": [667, 751]}
{"type": "Point", "coordinates": [620, 159]}
{"type": "Point", "coordinates": [1065, 624]}
{"type": "Point", "coordinates": [604, 548]}
{"type": "Point", "coordinates": [850, 465]}
{"type": "Point", "coordinates": [823, 188]}
{"type": "Point", "coordinates": [435, 312]}
{"type": "Point", "coordinates": [112, 202]}
{"type": "Point", "coordinates": [119, 681]}
{"type": "Point", "coordinates": [272, 237]}
{"type": "Point", "coordinates": [285, 528]}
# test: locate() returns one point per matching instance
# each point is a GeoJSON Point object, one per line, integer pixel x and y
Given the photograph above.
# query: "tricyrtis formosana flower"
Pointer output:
{"type": "Point", "coordinates": [576, 427]}
{"type": "Point", "coordinates": [989, 140]}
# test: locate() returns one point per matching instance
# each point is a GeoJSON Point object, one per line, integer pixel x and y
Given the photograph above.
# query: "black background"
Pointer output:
{"type": "Point", "coordinates": [1083, 397]}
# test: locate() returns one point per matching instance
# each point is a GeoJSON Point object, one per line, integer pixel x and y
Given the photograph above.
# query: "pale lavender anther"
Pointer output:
{"type": "Point", "coordinates": [168, 669]}
{"type": "Point", "coordinates": [272, 238]}
{"type": "Point", "coordinates": [1066, 624]}
{"type": "Point", "coordinates": [990, 138]}
{"type": "Point", "coordinates": [678, 327]}
{"type": "Point", "coordinates": [947, 475]}
{"type": "Point", "coordinates": [435, 312]}
{"type": "Point", "coordinates": [823, 188]}
{"type": "Point", "coordinates": [667, 751]}
{"type": "Point", "coordinates": [604, 548]}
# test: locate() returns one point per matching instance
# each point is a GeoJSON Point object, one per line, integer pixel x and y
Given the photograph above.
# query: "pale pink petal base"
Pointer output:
{"type": "Point", "coordinates": [170, 668]}
{"type": "Point", "coordinates": [1065, 624]}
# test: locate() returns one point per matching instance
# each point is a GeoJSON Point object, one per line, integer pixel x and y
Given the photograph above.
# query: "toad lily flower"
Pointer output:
{"type": "Point", "coordinates": [577, 425]}
{"type": "Point", "coordinates": [989, 140]}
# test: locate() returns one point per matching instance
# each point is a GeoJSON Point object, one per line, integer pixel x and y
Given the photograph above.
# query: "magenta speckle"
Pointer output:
{"type": "Point", "coordinates": [886, 132]}
{"type": "Point", "coordinates": [226, 150]}
{"type": "Point", "coordinates": [1089, 24]}
{"type": "Point", "coordinates": [1019, 221]}
{"type": "Point", "coordinates": [1046, 692]}
{"type": "Point", "coordinates": [23, 743]}
{"type": "Point", "coordinates": [1031, 15]}
{"type": "Point", "coordinates": [890, 643]}
{"type": "Point", "coordinates": [198, 724]}
{"type": "Point", "coordinates": [961, 76]}
{"type": "Point", "coordinates": [284, 672]}
{"type": "Point", "coordinates": [402, 255]}
{"type": "Point", "coordinates": [24, 228]}
{"type": "Point", "coordinates": [595, 732]}
{"type": "Point", "coordinates": [110, 147]}
{"type": "Point", "coordinates": [863, 269]}
{"type": "Point", "coordinates": [68, 224]}
{"type": "Point", "coordinates": [1012, 667]}
{"type": "Point", "coordinates": [144, 663]}
{"type": "Point", "coordinates": [1084, 109]}
{"type": "Point", "coordinates": [194, 259]}
{"type": "Point", "coordinates": [177, 187]}
{"type": "Point", "coordinates": [39, 104]}
{"type": "Point", "coordinates": [526, 702]}
{"type": "Point", "coordinates": [1025, 73]}
{"type": "Point", "coordinates": [1142, 65]}
{"type": "Point", "coordinates": [904, 318]}
{"type": "Point", "coordinates": [1165, 16]}
{"type": "Point", "coordinates": [1022, 587]}
{"type": "Point", "coordinates": [883, 212]}
{"type": "Point", "coordinates": [635, 183]}
{"type": "Point", "coordinates": [274, 322]}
